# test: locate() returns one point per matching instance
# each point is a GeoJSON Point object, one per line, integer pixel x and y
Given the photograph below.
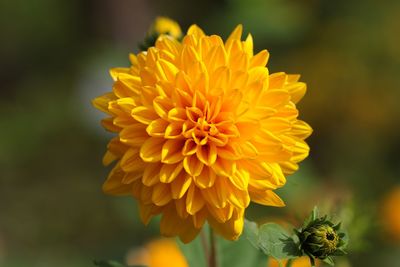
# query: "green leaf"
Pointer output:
{"type": "Point", "coordinates": [251, 232]}
{"type": "Point", "coordinates": [239, 253]}
{"type": "Point", "coordinates": [194, 252]}
{"type": "Point", "coordinates": [275, 241]}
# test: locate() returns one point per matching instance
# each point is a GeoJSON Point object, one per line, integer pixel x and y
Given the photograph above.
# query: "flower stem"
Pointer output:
{"type": "Point", "coordinates": [312, 261]}
{"type": "Point", "coordinates": [289, 263]}
{"type": "Point", "coordinates": [204, 244]}
{"type": "Point", "coordinates": [212, 260]}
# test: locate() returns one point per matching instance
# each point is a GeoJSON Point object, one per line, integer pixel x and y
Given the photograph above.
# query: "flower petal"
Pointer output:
{"type": "Point", "coordinates": [192, 165]}
{"type": "Point", "coordinates": [131, 161]}
{"type": "Point", "coordinates": [134, 135]}
{"type": "Point", "coordinates": [267, 198]}
{"type": "Point", "coordinates": [172, 151]}
{"type": "Point", "coordinates": [150, 151]}
{"type": "Point", "coordinates": [169, 172]}
{"type": "Point", "coordinates": [144, 114]}
{"type": "Point", "coordinates": [161, 194]}
{"type": "Point", "coordinates": [157, 128]}
{"type": "Point", "coordinates": [151, 175]}
{"type": "Point", "coordinates": [180, 185]}
{"type": "Point", "coordinates": [259, 60]}
{"type": "Point", "coordinates": [230, 229]}
{"type": "Point", "coordinates": [206, 178]}
{"type": "Point", "coordinates": [114, 186]}
{"type": "Point", "coordinates": [207, 153]}
{"type": "Point", "coordinates": [194, 200]}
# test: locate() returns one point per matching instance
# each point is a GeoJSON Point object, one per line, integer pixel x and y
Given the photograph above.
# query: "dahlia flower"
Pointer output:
{"type": "Point", "coordinates": [202, 129]}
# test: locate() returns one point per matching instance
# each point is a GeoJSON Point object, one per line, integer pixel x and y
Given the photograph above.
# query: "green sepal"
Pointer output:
{"type": "Point", "coordinates": [329, 260]}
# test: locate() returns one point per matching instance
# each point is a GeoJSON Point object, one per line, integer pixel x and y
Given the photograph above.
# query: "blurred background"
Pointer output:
{"type": "Point", "coordinates": [55, 56]}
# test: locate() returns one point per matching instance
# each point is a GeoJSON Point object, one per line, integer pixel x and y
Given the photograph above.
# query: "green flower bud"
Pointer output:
{"type": "Point", "coordinates": [320, 238]}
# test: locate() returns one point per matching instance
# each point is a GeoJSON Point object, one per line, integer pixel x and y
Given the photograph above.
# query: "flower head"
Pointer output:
{"type": "Point", "coordinates": [202, 129]}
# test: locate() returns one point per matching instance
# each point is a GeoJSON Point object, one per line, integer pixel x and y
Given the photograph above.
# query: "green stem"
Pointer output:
{"type": "Point", "coordinates": [213, 251]}
{"type": "Point", "coordinates": [289, 263]}
{"type": "Point", "coordinates": [204, 244]}
{"type": "Point", "coordinates": [312, 261]}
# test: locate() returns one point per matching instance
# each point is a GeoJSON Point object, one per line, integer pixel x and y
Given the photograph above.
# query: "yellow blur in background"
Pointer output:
{"type": "Point", "coordinates": [391, 214]}
{"type": "Point", "coordinates": [158, 253]}
{"type": "Point", "coordinates": [300, 262]}
{"type": "Point", "coordinates": [165, 253]}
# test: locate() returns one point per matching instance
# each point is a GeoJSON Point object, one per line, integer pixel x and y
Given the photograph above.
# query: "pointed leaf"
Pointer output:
{"type": "Point", "coordinates": [251, 232]}
{"type": "Point", "coordinates": [275, 241]}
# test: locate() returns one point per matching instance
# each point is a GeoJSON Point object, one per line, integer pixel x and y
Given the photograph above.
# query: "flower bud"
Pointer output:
{"type": "Point", "coordinates": [161, 25]}
{"type": "Point", "coordinates": [321, 239]}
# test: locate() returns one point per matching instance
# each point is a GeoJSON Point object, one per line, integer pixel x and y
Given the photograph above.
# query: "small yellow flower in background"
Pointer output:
{"type": "Point", "coordinates": [164, 25]}
{"type": "Point", "coordinates": [299, 262]}
{"type": "Point", "coordinates": [165, 253]}
{"type": "Point", "coordinates": [391, 214]}
{"type": "Point", "coordinates": [202, 129]}
{"type": "Point", "coordinates": [158, 253]}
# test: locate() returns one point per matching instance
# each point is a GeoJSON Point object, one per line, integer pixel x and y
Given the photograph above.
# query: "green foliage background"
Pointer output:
{"type": "Point", "coordinates": [55, 56]}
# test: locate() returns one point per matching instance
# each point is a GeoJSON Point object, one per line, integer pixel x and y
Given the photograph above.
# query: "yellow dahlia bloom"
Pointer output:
{"type": "Point", "coordinates": [202, 129]}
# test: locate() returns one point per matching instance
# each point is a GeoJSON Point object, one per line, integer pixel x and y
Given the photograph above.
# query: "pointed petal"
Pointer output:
{"type": "Point", "coordinates": [114, 186]}
{"type": "Point", "coordinates": [161, 194]}
{"type": "Point", "coordinates": [206, 178]}
{"type": "Point", "coordinates": [207, 154]}
{"type": "Point", "coordinates": [192, 165]}
{"type": "Point", "coordinates": [169, 172]}
{"type": "Point", "coordinates": [180, 185]}
{"type": "Point", "coordinates": [172, 151]}
{"type": "Point", "coordinates": [131, 161]}
{"type": "Point", "coordinates": [236, 34]}
{"type": "Point", "coordinates": [144, 114]}
{"type": "Point", "coordinates": [194, 200]}
{"type": "Point", "coordinates": [151, 149]}
{"type": "Point", "coordinates": [151, 174]}
{"type": "Point", "coordinates": [231, 229]}
{"type": "Point", "coordinates": [259, 60]}
{"type": "Point", "coordinates": [196, 31]}
{"type": "Point", "coordinates": [134, 135]}
{"type": "Point", "coordinates": [267, 198]}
